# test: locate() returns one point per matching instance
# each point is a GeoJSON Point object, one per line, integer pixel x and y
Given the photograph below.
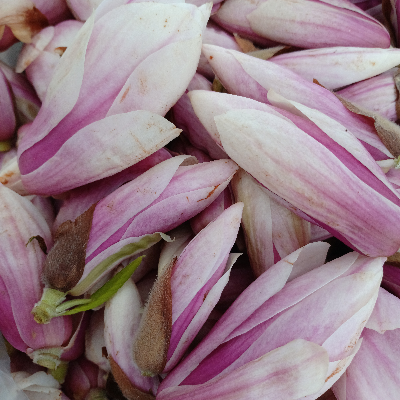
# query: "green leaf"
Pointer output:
{"type": "Point", "coordinates": [106, 265]}
{"type": "Point", "coordinates": [108, 289]}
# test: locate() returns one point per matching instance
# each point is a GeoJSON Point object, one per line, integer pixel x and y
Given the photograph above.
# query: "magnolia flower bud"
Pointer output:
{"type": "Point", "coordinates": [140, 82]}
{"type": "Point", "coordinates": [122, 317]}
{"type": "Point", "coordinates": [20, 282]}
{"type": "Point", "coordinates": [307, 24]}
{"type": "Point", "coordinates": [297, 298]}
{"type": "Point", "coordinates": [257, 143]}
{"type": "Point", "coordinates": [184, 295]}
{"type": "Point", "coordinates": [125, 223]}
{"type": "Point", "coordinates": [336, 67]}
{"type": "Point", "coordinates": [250, 77]}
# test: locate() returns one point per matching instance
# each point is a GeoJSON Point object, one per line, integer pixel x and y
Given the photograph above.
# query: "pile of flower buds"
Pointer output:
{"type": "Point", "coordinates": [199, 200]}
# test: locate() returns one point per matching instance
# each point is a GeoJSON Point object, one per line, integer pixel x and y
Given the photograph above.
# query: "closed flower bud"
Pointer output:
{"type": "Point", "coordinates": [297, 298]}
{"type": "Point", "coordinates": [185, 294]}
{"type": "Point", "coordinates": [307, 24]}
{"type": "Point", "coordinates": [112, 113]}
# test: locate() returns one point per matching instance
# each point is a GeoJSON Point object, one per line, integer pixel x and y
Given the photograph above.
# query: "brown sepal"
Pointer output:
{"type": "Point", "coordinates": [396, 78]}
{"type": "Point", "coordinates": [130, 391]}
{"type": "Point", "coordinates": [245, 45]}
{"type": "Point", "coordinates": [66, 260]}
{"type": "Point", "coordinates": [218, 87]}
{"type": "Point", "coordinates": [266, 54]}
{"type": "Point", "coordinates": [317, 83]}
{"type": "Point", "coordinates": [386, 11]}
{"type": "Point", "coordinates": [394, 260]}
{"type": "Point", "coordinates": [150, 349]}
{"type": "Point", "coordinates": [388, 131]}
{"type": "Point", "coordinates": [60, 50]}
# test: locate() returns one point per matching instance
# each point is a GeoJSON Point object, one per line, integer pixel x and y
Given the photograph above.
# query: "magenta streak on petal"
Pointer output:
{"type": "Point", "coordinates": [188, 179]}
{"type": "Point", "coordinates": [156, 218]}
{"type": "Point", "coordinates": [277, 257]}
{"type": "Point", "coordinates": [180, 325]}
{"type": "Point", "coordinates": [239, 82]}
{"type": "Point", "coordinates": [81, 198]}
{"type": "Point", "coordinates": [224, 355]}
{"type": "Point", "coordinates": [7, 323]}
{"type": "Point", "coordinates": [114, 238]}
{"type": "Point", "coordinates": [76, 346]}
{"type": "Point", "coordinates": [7, 116]}
{"type": "Point", "coordinates": [391, 279]}
{"type": "Point", "coordinates": [343, 155]}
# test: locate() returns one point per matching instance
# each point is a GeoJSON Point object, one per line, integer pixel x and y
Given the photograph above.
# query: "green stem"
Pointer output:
{"type": "Point", "coordinates": [46, 308]}
{"type": "Point", "coordinates": [96, 394]}
{"type": "Point", "coordinates": [71, 303]}
{"type": "Point", "coordinates": [397, 162]}
{"type": "Point", "coordinates": [48, 357]}
{"type": "Point", "coordinates": [60, 372]}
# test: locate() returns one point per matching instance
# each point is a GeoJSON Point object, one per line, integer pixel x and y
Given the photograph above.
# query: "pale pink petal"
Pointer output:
{"type": "Point", "coordinates": [335, 371]}
{"type": "Point", "coordinates": [204, 254]}
{"type": "Point", "coordinates": [140, 133]}
{"type": "Point", "coordinates": [373, 374]}
{"type": "Point", "coordinates": [312, 24]}
{"type": "Point", "coordinates": [122, 318]}
{"type": "Point", "coordinates": [321, 195]}
{"type": "Point", "coordinates": [378, 94]}
{"type": "Point", "coordinates": [336, 67]}
{"type": "Point", "coordinates": [248, 76]}
{"type": "Point", "coordinates": [386, 314]}
{"type": "Point", "coordinates": [262, 289]}
{"type": "Point", "coordinates": [289, 372]}
{"type": "Point", "coordinates": [159, 81]}
{"type": "Point", "coordinates": [129, 200]}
